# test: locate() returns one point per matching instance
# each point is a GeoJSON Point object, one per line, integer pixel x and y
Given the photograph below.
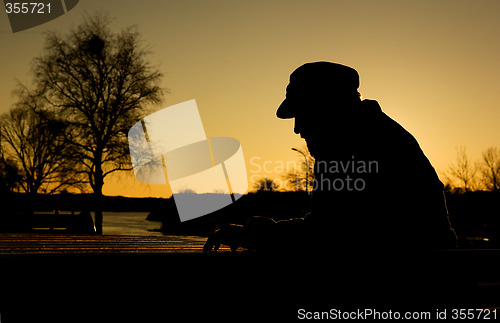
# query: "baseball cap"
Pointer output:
{"type": "Point", "coordinates": [317, 79]}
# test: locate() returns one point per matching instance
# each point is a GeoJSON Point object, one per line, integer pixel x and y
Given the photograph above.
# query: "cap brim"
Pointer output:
{"type": "Point", "coordinates": [285, 111]}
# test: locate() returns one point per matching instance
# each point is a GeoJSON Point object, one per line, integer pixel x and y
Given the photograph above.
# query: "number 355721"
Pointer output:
{"type": "Point", "coordinates": [27, 7]}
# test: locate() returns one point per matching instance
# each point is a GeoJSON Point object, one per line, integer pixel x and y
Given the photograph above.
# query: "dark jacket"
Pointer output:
{"type": "Point", "coordinates": [375, 187]}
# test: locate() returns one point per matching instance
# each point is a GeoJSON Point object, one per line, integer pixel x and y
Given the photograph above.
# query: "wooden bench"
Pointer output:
{"type": "Point", "coordinates": [61, 223]}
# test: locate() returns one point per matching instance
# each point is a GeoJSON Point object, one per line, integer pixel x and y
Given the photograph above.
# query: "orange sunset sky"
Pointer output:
{"type": "Point", "coordinates": [433, 66]}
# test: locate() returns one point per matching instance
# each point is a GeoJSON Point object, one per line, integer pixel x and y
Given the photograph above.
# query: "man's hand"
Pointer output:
{"type": "Point", "coordinates": [260, 233]}
{"type": "Point", "coordinates": [232, 235]}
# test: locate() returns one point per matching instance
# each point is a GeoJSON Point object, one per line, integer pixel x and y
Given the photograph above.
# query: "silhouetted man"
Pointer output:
{"type": "Point", "coordinates": [374, 187]}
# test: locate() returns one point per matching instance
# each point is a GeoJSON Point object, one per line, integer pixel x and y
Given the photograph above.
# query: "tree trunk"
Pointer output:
{"type": "Point", "coordinates": [98, 199]}
{"type": "Point", "coordinates": [98, 213]}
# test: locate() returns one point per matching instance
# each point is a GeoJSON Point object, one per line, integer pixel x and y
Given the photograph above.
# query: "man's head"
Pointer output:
{"type": "Point", "coordinates": [319, 92]}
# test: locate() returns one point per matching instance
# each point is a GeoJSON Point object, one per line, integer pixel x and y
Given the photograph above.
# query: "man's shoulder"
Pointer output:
{"type": "Point", "coordinates": [384, 125]}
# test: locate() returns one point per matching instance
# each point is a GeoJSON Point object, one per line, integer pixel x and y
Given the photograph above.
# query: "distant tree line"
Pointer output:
{"type": "Point", "coordinates": [466, 175]}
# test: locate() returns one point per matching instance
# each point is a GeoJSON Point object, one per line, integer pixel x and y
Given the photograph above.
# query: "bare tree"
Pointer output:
{"type": "Point", "coordinates": [302, 179]}
{"type": "Point", "coordinates": [33, 143]}
{"type": "Point", "coordinates": [98, 83]}
{"type": "Point", "coordinates": [265, 185]}
{"type": "Point", "coordinates": [490, 168]}
{"type": "Point", "coordinates": [463, 171]}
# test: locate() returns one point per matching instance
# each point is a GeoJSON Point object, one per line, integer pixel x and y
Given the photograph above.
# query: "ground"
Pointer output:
{"type": "Point", "coordinates": [51, 277]}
